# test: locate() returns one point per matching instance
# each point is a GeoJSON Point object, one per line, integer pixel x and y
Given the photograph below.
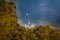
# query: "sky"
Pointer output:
{"type": "Point", "coordinates": [39, 12]}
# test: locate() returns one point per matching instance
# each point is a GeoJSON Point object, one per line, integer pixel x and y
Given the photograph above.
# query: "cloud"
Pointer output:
{"type": "Point", "coordinates": [26, 25]}
{"type": "Point", "coordinates": [30, 26]}
{"type": "Point", "coordinates": [43, 22]}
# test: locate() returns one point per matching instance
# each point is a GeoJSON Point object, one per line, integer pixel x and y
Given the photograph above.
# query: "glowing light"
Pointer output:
{"type": "Point", "coordinates": [29, 23]}
{"type": "Point", "coordinates": [27, 14]}
{"type": "Point", "coordinates": [26, 25]}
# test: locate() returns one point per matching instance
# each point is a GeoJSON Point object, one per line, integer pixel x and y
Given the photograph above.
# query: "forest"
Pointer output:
{"type": "Point", "coordinates": [11, 30]}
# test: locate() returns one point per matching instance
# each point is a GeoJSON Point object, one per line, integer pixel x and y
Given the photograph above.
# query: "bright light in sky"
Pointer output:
{"type": "Point", "coordinates": [29, 22]}
{"type": "Point", "coordinates": [30, 26]}
{"type": "Point", "coordinates": [27, 14]}
{"type": "Point", "coordinates": [26, 25]}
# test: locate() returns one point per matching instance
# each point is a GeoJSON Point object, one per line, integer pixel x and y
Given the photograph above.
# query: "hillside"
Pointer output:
{"type": "Point", "coordinates": [11, 30]}
{"type": "Point", "coordinates": [8, 19]}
